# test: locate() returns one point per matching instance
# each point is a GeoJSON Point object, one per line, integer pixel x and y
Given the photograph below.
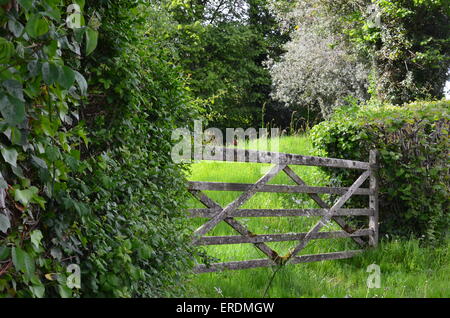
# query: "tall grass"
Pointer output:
{"type": "Point", "coordinates": [407, 269]}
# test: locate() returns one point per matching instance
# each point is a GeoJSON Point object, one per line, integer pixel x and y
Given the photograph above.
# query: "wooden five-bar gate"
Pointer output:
{"type": "Point", "coordinates": [228, 214]}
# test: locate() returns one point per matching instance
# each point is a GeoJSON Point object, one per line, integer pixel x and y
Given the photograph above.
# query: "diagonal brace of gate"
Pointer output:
{"type": "Point", "coordinates": [233, 206]}
{"type": "Point", "coordinates": [340, 221]}
{"type": "Point", "coordinates": [328, 216]}
{"type": "Point", "coordinates": [239, 227]}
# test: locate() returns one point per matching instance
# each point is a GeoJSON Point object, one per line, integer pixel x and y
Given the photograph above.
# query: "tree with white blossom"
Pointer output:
{"type": "Point", "coordinates": [319, 70]}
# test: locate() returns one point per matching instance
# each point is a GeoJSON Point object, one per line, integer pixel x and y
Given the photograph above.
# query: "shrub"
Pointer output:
{"type": "Point", "coordinates": [394, 50]}
{"type": "Point", "coordinates": [134, 241]}
{"type": "Point", "coordinates": [413, 142]}
{"type": "Point", "coordinates": [84, 173]}
{"type": "Point", "coordinates": [40, 96]}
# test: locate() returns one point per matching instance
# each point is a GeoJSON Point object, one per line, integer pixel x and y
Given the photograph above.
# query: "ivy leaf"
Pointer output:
{"type": "Point", "coordinates": [37, 26]}
{"type": "Point", "coordinates": [5, 224]}
{"type": "Point", "coordinates": [15, 27]}
{"type": "Point", "coordinates": [39, 162]}
{"type": "Point", "coordinates": [78, 34]}
{"type": "Point", "coordinates": [51, 49]}
{"type": "Point", "coordinates": [23, 261]}
{"type": "Point", "coordinates": [38, 291]}
{"type": "Point", "coordinates": [65, 292]}
{"type": "Point", "coordinates": [18, 171]}
{"type": "Point", "coordinates": [29, 265]}
{"type": "Point", "coordinates": [18, 258]}
{"type": "Point", "coordinates": [50, 73]}
{"type": "Point", "coordinates": [14, 88]}
{"type": "Point", "coordinates": [39, 200]}
{"type": "Point", "coordinates": [3, 183]}
{"type": "Point", "coordinates": [12, 109]}
{"type": "Point", "coordinates": [56, 253]}
{"type": "Point", "coordinates": [91, 40]}
{"type": "Point", "coordinates": [81, 83]}
{"type": "Point", "coordinates": [36, 237]}
{"type": "Point", "coordinates": [27, 4]}
{"type": "Point", "coordinates": [52, 153]}
{"type": "Point", "coordinates": [52, 12]}
{"type": "Point", "coordinates": [10, 156]}
{"type": "Point", "coordinates": [6, 50]}
{"type": "Point", "coordinates": [51, 276]}
{"type": "Point", "coordinates": [50, 128]}
{"type": "Point", "coordinates": [4, 252]}
{"type": "Point", "coordinates": [66, 77]}
{"type": "Point", "coordinates": [34, 67]}
{"type": "Point", "coordinates": [16, 136]}
{"type": "Point", "coordinates": [25, 196]}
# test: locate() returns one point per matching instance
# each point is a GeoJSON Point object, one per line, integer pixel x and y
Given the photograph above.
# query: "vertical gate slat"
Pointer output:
{"type": "Point", "coordinates": [373, 198]}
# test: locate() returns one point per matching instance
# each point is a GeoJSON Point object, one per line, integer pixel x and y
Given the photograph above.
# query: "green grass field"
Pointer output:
{"type": "Point", "coordinates": [407, 270]}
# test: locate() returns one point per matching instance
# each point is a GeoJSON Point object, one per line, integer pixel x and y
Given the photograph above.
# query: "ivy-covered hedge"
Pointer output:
{"type": "Point", "coordinates": [413, 141]}
{"type": "Point", "coordinates": [84, 170]}
{"type": "Point", "coordinates": [138, 238]}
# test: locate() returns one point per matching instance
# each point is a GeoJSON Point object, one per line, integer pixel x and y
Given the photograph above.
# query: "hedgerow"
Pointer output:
{"type": "Point", "coordinates": [413, 141]}
{"type": "Point", "coordinates": [84, 172]}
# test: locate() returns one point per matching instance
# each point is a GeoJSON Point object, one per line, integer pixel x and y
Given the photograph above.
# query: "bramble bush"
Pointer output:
{"type": "Point", "coordinates": [413, 141]}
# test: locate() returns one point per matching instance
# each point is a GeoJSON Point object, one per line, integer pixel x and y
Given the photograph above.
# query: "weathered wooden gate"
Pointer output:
{"type": "Point", "coordinates": [217, 214]}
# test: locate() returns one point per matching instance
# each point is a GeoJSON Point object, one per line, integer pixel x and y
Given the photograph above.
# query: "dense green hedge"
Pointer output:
{"type": "Point", "coordinates": [41, 137]}
{"type": "Point", "coordinates": [414, 144]}
{"type": "Point", "coordinates": [84, 171]}
{"type": "Point", "coordinates": [138, 236]}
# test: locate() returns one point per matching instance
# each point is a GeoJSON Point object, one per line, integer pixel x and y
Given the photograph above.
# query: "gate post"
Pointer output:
{"type": "Point", "coordinates": [373, 198]}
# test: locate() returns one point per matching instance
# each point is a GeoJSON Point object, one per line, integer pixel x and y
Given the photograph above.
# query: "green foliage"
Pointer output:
{"type": "Point", "coordinates": [396, 51]}
{"type": "Point", "coordinates": [223, 70]}
{"type": "Point", "coordinates": [413, 141]}
{"type": "Point", "coordinates": [39, 101]}
{"type": "Point", "coordinates": [137, 237]}
{"type": "Point", "coordinates": [223, 56]}
{"type": "Point", "coordinates": [409, 47]}
{"type": "Point", "coordinates": [84, 174]}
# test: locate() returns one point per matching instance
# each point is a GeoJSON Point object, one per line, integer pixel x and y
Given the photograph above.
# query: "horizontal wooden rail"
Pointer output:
{"type": "Point", "coordinates": [242, 213]}
{"type": "Point", "coordinates": [268, 238]}
{"type": "Point", "coordinates": [248, 155]}
{"type": "Point", "coordinates": [268, 262]}
{"type": "Point", "coordinates": [223, 186]}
